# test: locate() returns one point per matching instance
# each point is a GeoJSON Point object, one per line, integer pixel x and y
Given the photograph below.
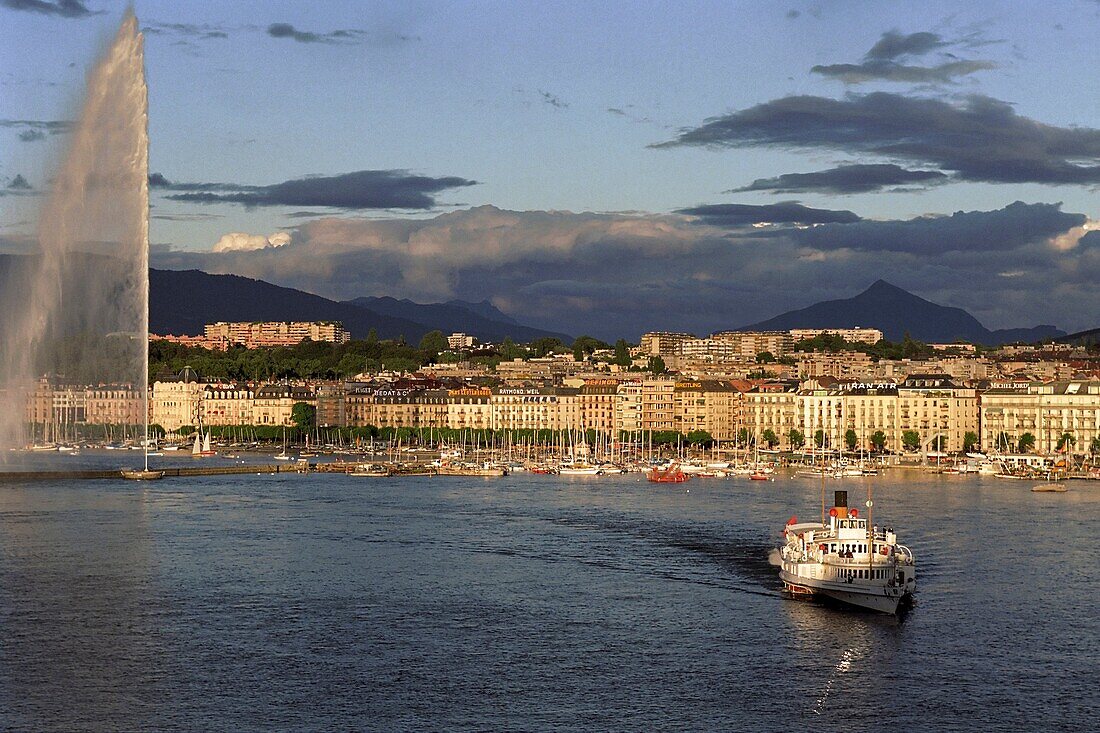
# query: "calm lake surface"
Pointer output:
{"type": "Point", "coordinates": [533, 603]}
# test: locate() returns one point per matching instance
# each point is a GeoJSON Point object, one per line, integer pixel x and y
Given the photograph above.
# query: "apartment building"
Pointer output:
{"type": "Point", "coordinates": [274, 333]}
{"type": "Point", "coordinates": [1009, 409]}
{"type": "Point", "coordinates": [857, 334]}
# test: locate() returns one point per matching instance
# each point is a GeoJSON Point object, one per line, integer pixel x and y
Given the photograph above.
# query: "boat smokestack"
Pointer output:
{"type": "Point", "coordinates": [840, 501]}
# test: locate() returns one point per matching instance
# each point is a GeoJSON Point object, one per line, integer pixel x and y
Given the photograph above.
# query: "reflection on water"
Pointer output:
{"type": "Point", "coordinates": [527, 603]}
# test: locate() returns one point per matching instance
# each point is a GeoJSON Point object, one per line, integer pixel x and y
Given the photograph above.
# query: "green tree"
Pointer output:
{"type": "Point", "coordinates": [372, 336]}
{"type": "Point", "coordinates": [546, 345]}
{"type": "Point", "coordinates": [583, 346]}
{"type": "Point", "coordinates": [433, 342]}
{"type": "Point", "coordinates": [622, 353]}
{"type": "Point", "coordinates": [701, 438]}
{"type": "Point", "coordinates": [1066, 439]}
{"type": "Point", "coordinates": [797, 438]}
{"type": "Point", "coordinates": [1026, 443]}
{"type": "Point", "coordinates": [970, 441]}
{"type": "Point", "coordinates": [1094, 446]}
{"type": "Point", "coordinates": [770, 438]}
{"type": "Point", "coordinates": [1004, 441]}
{"type": "Point", "coordinates": [304, 416]}
{"type": "Point", "coordinates": [657, 365]}
{"type": "Point", "coordinates": [878, 441]}
{"type": "Point", "coordinates": [765, 357]}
{"type": "Point", "coordinates": [820, 438]}
{"type": "Point", "coordinates": [743, 437]}
{"type": "Point", "coordinates": [850, 439]}
{"type": "Point", "coordinates": [939, 443]}
{"type": "Point", "coordinates": [910, 439]}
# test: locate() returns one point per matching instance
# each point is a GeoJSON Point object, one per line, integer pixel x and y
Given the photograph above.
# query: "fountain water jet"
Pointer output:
{"type": "Point", "coordinates": [78, 309]}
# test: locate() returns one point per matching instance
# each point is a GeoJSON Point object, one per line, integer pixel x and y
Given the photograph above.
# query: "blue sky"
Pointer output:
{"type": "Point", "coordinates": [626, 120]}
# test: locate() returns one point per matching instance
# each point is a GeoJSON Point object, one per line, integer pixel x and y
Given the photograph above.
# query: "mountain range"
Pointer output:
{"type": "Point", "coordinates": [897, 312]}
{"type": "Point", "coordinates": [182, 301]}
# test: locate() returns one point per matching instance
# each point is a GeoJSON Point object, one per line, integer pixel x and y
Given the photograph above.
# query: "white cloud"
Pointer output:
{"type": "Point", "coordinates": [240, 241]}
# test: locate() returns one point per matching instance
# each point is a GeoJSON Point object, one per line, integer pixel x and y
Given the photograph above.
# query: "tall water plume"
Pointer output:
{"type": "Point", "coordinates": [77, 310]}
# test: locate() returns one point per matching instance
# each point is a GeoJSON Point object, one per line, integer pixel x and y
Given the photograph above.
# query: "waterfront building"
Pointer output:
{"type": "Point", "coordinates": [332, 405]}
{"type": "Point", "coordinates": [1046, 411]}
{"type": "Point", "coordinates": [113, 405]}
{"type": "Point", "coordinates": [525, 408]}
{"type": "Point", "coordinates": [597, 399]}
{"type": "Point", "coordinates": [658, 406]}
{"type": "Point", "coordinates": [834, 407]}
{"type": "Point", "coordinates": [772, 406]}
{"type": "Point", "coordinates": [227, 404]}
{"type": "Point", "coordinates": [176, 400]}
{"type": "Point", "coordinates": [934, 406]}
{"type": "Point", "coordinates": [274, 403]}
{"type": "Point", "coordinates": [708, 405]}
{"type": "Point", "coordinates": [628, 408]}
{"type": "Point", "coordinates": [469, 408]}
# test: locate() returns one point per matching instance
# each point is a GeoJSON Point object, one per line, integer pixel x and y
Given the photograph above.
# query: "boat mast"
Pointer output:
{"type": "Point", "coordinates": [870, 533]}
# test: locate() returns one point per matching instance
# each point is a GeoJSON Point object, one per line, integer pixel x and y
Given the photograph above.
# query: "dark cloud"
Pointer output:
{"type": "Point", "coordinates": [1090, 239]}
{"type": "Point", "coordinates": [30, 130]}
{"type": "Point", "coordinates": [787, 212]}
{"type": "Point", "coordinates": [17, 186]}
{"type": "Point", "coordinates": [286, 30]}
{"type": "Point", "coordinates": [881, 63]}
{"type": "Point", "coordinates": [944, 73]}
{"type": "Point", "coordinates": [792, 14]}
{"type": "Point", "coordinates": [60, 8]}
{"type": "Point", "coordinates": [894, 44]}
{"type": "Point", "coordinates": [375, 189]}
{"type": "Point", "coordinates": [978, 139]}
{"type": "Point", "coordinates": [615, 275]}
{"type": "Point", "coordinates": [186, 30]}
{"type": "Point", "coordinates": [858, 178]}
{"type": "Point", "coordinates": [1005, 229]}
{"type": "Point", "coordinates": [553, 100]}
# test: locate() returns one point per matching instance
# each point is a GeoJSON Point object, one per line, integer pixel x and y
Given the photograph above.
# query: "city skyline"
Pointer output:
{"type": "Point", "coordinates": [600, 166]}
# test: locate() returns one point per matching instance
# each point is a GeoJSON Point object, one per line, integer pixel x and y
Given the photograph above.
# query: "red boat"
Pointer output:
{"type": "Point", "coordinates": [758, 477]}
{"type": "Point", "coordinates": [670, 475]}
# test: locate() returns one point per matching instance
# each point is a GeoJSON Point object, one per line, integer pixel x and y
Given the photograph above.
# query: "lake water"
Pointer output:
{"type": "Point", "coordinates": [532, 603]}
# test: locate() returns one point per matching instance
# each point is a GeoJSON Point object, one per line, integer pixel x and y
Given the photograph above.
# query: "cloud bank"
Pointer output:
{"type": "Point", "coordinates": [613, 275]}
{"type": "Point", "coordinates": [59, 8]}
{"type": "Point", "coordinates": [371, 189]}
{"type": "Point", "coordinates": [977, 139]}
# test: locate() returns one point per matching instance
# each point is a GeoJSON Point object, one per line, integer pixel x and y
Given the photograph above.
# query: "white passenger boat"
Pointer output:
{"type": "Point", "coordinates": [847, 559]}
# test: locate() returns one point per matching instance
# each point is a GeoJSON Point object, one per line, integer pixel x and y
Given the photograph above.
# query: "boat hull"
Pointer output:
{"type": "Point", "coordinates": [883, 599]}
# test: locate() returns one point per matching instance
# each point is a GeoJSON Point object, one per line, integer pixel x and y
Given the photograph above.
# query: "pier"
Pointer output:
{"type": "Point", "coordinates": [180, 472]}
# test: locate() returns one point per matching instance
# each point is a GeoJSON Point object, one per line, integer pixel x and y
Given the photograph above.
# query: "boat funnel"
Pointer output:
{"type": "Point", "coordinates": [840, 501]}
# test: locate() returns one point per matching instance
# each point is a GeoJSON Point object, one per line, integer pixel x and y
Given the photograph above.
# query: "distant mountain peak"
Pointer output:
{"type": "Point", "coordinates": [881, 287]}
{"type": "Point", "coordinates": [896, 312]}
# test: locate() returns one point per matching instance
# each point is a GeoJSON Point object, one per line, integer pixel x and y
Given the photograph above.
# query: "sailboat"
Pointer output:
{"type": "Point", "coordinates": [283, 456]}
{"type": "Point", "coordinates": [201, 447]}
